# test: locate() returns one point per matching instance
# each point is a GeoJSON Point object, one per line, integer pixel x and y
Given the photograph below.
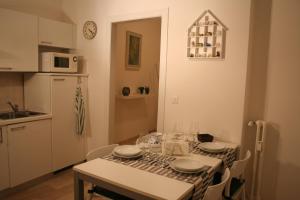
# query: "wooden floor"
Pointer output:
{"type": "Point", "coordinates": [58, 187]}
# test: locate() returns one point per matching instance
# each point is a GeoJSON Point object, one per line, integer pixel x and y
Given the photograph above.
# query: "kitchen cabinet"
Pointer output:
{"type": "Point", "coordinates": [55, 94]}
{"type": "Point", "coordinates": [55, 33]}
{"type": "Point", "coordinates": [68, 146]}
{"type": "Point", "coordinates": [19, 41]}
{"type": "Point", "coordinates": [4, 170]}
{"type": "Point", "coordinates": [29, 149]}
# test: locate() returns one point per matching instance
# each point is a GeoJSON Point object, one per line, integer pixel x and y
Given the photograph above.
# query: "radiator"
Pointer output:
{"type": "Point", "coordinates": [258, 158]}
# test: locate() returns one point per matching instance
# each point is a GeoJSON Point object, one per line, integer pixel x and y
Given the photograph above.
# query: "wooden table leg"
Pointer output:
{"type": "Point", "coordinates": [78, 187]}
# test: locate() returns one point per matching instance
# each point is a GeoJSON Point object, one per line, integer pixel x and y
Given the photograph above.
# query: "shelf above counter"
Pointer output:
{"type": "Point", "coordinates": [134, 96]}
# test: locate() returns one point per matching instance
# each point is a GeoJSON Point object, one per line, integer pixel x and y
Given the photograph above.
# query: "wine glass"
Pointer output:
{"type": "Point", "coordinates": [192, 134]}
{"type": "Point", "coordinates": [178, 127]}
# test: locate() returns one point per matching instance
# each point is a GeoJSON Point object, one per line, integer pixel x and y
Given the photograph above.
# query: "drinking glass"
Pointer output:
{"type": "Point", "coordinates": [178, 127]}
{"type": "Point", "coordinates": [192, 134]}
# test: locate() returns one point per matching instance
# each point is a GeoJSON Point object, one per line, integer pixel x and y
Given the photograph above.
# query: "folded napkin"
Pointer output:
{"type": "Point", "coordinates": [175, 147]}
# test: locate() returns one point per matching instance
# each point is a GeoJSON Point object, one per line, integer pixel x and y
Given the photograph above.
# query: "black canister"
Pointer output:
{"type": "Point", "coordinates": [147, 90]}
{"type": "Point", "coordinates": [126, 91]}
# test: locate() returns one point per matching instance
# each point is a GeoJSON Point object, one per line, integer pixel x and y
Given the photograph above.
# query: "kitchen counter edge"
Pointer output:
{"type": "Point", "coordinates": [25, 119]}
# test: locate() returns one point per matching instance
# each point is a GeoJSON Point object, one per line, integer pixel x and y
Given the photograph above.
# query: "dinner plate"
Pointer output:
{"type": "Point", "coordinates": [212, 146]}
{"type": "Point", "coordinates": [187, 165]}
{"type": "Point", "coordinates": [122, 156]}
{"type": "Point", "coordinates": [186, 172]}
{"type": "Point", "coordinates": [127, 150]}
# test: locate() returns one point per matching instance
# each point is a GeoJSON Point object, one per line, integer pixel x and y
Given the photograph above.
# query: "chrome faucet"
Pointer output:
{"type": "Point", "coordinates": [14, 107]}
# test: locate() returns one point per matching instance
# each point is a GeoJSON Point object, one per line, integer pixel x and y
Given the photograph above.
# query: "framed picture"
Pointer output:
{"type": "Point", "coordinates": [133, 50]}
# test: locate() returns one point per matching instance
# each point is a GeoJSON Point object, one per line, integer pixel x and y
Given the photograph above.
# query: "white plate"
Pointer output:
{"type": "Point", "coordinates": [187, 172]}
{"type": "Point", "coordinates": [122, 156]}
{"type": "Point", "coordinates": [212, 146]}
{"type": "Point", "coordinates": [127, 150]}
{"type": "Point", "coordinates": [187, 165]}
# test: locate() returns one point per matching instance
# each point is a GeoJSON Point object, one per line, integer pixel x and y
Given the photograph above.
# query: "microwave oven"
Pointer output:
{"type": "Point", "coordinates": [59, 62]}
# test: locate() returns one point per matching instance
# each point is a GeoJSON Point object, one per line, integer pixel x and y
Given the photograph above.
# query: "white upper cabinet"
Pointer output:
{"type": "Point", "coordinates": [18, 41]}
{"type": "Point", "coordinates": [55, 34]}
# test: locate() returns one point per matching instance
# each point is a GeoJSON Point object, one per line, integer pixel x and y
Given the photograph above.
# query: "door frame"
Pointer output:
{"type": "Point", "coordinates": [164, 15]}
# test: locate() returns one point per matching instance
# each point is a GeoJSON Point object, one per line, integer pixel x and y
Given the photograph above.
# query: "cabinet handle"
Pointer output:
{"type": "Point", "coordinates": [59, 79]}
{"type": "Point", "coordinates": [5, 68]}
{"type": "Point", "coordinates": [45, 42]}
{"type": "Point", "coordinates": [1, 136]}
{"type": "Point", "coordinates": [18, 128]}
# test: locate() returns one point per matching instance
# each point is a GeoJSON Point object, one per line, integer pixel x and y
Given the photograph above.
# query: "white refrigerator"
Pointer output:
{"type": "Point", "coordinates": [55, 94]}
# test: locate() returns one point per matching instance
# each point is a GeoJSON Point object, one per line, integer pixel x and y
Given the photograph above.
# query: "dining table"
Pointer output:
{"type": "Point", "coordinates": [150, 176]}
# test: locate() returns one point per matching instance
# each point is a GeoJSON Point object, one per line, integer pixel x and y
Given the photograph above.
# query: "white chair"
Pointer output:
{"type": "Point", "coordinates": [214, 192]}
{"type": "Point", "coordinates": [95, 190]}
{"type": "Point", "coordinates": [236, 184]}
{"type": "Point", "coordinates": [99, 152]}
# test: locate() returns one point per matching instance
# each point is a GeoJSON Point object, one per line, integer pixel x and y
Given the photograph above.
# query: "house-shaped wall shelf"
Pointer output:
{"type": "Point", "coordinates": [206, 37]}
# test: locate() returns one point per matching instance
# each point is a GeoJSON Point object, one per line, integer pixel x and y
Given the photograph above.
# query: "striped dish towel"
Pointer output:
{"type": "Point", "coordinates": [79, 111]}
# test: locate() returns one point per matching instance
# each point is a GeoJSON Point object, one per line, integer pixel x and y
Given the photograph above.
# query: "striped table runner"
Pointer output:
{"type": "Point", "coordinates": [159, 164]}
{"type": "Point", "coordinates": [228, 156]}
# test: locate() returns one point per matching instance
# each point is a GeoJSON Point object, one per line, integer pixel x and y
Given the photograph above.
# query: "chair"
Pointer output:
{"type": "Point", "coordinates": [214, 192]}
{"type": "Point", "coordinates": [96, 190]}
{"type": "Point", "coordinates": [236, 183]}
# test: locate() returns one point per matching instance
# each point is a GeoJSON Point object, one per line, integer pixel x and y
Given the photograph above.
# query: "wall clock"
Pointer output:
{"type": "Point", "coordinates": [89, 30]}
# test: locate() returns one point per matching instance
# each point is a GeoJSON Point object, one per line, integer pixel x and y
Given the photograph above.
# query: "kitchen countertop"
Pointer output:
{"type": "Point", "coordinates": [24, 119]}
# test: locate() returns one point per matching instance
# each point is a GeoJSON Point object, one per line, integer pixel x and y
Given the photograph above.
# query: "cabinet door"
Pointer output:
{"type": "Point", "coordinates": [19, 41]}
{"type": "Point", "coordinates": [67, 146]}
{"type": "Point", "coordinates": [55, 33]}
{"type": "Point", "coordinates": [4, 170]}
{"type": "Point", "coordinates": [29, 147]}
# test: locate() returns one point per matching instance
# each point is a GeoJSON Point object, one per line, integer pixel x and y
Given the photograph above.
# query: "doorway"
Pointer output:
{"type": "Point", "coordinates": [135, 61]}
{"type": "Point", "coordinates": [163, 14]}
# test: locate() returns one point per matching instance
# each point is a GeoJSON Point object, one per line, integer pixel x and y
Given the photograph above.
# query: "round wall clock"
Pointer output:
{"type": "Point", "coordinates": [89, 30]}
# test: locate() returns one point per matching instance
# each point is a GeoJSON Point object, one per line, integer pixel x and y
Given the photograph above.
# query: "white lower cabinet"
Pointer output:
{"type": "Point", "coordinates": [4, 169]}
{"type": "Point", "coordinates": [29, 149]}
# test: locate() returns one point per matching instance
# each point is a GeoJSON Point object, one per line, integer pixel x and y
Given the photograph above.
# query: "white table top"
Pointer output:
{"type": "Point", "coordinates": [140, 181]}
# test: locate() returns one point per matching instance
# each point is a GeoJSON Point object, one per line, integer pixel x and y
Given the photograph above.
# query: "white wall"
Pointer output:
{"type": "Point", "coordinates": [211, 92]}
{"type": "Point", "coordinates": [135, 116]}
{"type": "Point", "coordinates": [274, 94]}
{"type": "Point", "coordinates": [282, 105]}
{"type": "Point", "coordinates": [45, 8]}
{"type": "Point", "coordinates": [256, 77]}
{"type": "Point", "coordinates": [11, 89]}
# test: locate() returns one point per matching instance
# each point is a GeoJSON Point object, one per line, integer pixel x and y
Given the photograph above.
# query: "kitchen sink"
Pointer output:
{"type": "Point", "coordinates": [18, 114]}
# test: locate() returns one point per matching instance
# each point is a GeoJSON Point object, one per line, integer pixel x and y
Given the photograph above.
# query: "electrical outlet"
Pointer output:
{"type": "Point", "coordinates": [175, 100]}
